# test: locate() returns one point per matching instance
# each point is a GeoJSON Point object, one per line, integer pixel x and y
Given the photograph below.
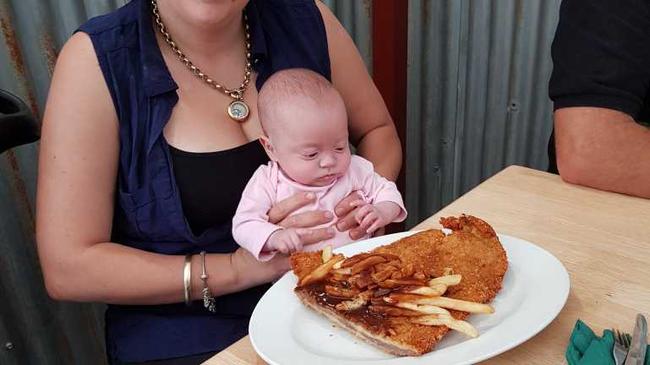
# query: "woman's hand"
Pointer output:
{"type": "Point", "coordinates": [249, 272]}
{"type": "Point", "coordinates": [280, 214]}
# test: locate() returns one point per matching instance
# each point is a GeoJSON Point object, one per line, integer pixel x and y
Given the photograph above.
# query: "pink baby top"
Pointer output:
{"type": "Point", "coordinates": [269, 184]}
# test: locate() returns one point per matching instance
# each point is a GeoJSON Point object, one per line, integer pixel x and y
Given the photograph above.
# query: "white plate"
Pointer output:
{"type": "Point", "coordinates": [285, 332]}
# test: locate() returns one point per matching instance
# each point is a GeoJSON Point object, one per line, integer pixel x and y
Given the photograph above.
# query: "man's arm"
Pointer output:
{"type": "Point", "coordinates": [604, 149]}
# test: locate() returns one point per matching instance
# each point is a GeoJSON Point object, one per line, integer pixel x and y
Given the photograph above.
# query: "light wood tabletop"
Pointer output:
{"type": "Point", "coordinates": [602, 238]}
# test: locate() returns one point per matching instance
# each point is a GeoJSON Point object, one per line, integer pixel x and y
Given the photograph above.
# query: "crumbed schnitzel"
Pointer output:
{"type": "Point", "coordinates": [379, 296]}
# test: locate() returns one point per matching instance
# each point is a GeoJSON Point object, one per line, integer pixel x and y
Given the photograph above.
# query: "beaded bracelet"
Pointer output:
{"type": "Point", "coordinates": [208, 299]}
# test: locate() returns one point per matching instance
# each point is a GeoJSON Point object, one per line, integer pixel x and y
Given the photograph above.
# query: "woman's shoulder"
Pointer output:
{"type": "Point", "coordinates": [284, 4]}
{"type": "Point", "coordinates": [127, 14]}
{"type": "Point", "coordinates": [290, 34]}
{"type": "Point", "coordinates": [293, 15]}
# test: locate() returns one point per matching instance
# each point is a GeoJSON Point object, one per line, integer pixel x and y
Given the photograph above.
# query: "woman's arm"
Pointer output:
{"type": "Point", "coordinates": [371, 127]}
{"type": "Point", "coordinates": [76, 186]}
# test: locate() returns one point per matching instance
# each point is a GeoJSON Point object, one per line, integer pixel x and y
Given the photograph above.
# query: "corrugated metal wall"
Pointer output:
{"type": "Point", "coordinates": [33, 328]}
{"type": "Point", "coordinates": [477, 95]}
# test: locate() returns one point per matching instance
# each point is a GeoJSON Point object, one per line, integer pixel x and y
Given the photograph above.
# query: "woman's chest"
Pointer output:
{"type": "Point", "coordinates": [199, 121]}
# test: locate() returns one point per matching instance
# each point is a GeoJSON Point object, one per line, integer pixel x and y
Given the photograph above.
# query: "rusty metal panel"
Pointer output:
{"type": "Point", "coordinates": [33, 328]}
{"type": "Point", "coordinates": [477, 94]}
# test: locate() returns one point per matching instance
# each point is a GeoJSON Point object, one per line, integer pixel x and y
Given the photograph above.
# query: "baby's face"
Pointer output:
{"type": "Point", "coordinates": [311, 142]}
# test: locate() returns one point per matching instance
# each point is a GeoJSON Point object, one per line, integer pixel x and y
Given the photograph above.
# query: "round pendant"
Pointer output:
{"type": "Point", "coordinates": [238, 110]}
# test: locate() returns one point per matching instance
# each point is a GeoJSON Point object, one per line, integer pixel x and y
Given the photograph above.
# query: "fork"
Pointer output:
{"type": "Point", "coordinates": [621, 346]}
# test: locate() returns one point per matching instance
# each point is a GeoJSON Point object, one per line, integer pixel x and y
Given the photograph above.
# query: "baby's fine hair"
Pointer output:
{"type": "Point", "coordinates": [285, 85]}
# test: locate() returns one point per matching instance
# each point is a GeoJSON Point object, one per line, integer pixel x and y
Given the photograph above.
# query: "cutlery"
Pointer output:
{"type": "Point", "coordinates": [621, 346]}
{"type": "Point", "coordinates": [636, 355]}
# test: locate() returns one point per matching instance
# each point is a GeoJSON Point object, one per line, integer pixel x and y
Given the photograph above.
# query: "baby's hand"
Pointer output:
{"type": "Point", "coordinates": [285, 241]}
{"type": "Point", "coordinates": [371, 217]}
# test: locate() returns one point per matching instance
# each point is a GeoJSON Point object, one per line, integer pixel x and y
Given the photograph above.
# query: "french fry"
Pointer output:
{"type": "Point", "coordinates": [326, 255]}
{"type": "Point", "coordinates": [446, 280]}
{"type": "Point", "coordinates": [448, 321]}
{"type": "Point", "coordinates": [395, 263]}
{"type": "Point", "coordinates": [394, 298]}
{"type": "Point", "coordinates": [382, 275]}
{"type": "Point", "coordinates": [366, 263]}
{"type": "Point", "coordinates": [362, 280]}
{"type": "Point", "coordinates": [359, 301]}
{"type": "Point", "coordinates": [430, 291]}
{"type": "Point", "coordinates": [394, 311]}
{"type": "Point", "coordinates": [337, 291]}
{"type": "Point", "coordinates": [439, 288]}
{"type": "Point", "coordinates": [338, 277]}
{"type": "Point", "coordinates": [394, 283]}
{"type": "Point", "coordinates": [390, 257]}
{"type": "Point", "coordinates": [321, 271]}
{"type": "Point", "coordinates": [460, 305]}
{"type": "Point", "coordinates": [354, 259]}
{"type": "Point", "coordinates": [381, 292]}
{"type": "Point", "coordinates": [342, 270]}
{"type": "Point", "coordinates": [424, 309]}
{"type": "Point", "coordinates": [337, 265]}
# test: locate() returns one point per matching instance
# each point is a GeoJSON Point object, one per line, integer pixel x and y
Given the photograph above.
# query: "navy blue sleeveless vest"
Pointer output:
{"type": "Point", "coordinates": [148, 213]}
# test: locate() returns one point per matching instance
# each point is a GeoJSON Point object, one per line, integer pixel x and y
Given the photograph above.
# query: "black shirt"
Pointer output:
{"type": "Point", "coordinates": [211, 183]}
{"type": "Point", "coordinates": [601, 58]}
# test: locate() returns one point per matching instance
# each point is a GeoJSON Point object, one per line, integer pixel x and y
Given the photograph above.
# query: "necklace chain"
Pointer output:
{"type": "Point", "coordinates": [235, 93]}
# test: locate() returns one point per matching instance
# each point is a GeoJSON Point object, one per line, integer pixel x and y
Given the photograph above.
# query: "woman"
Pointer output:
{"type": "Point", "coordinates": [141, 168]}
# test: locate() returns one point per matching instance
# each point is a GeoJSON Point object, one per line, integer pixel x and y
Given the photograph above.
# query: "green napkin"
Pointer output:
{"type": "Point", "coordinates": [585, 348]}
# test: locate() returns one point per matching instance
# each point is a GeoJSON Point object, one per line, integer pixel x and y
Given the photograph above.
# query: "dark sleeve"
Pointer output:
{"type": "Point", "coordinates": [601, 55]}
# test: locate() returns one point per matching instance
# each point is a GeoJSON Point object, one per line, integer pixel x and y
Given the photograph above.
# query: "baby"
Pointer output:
{"type": "Point", "coordinates": [306, 137]}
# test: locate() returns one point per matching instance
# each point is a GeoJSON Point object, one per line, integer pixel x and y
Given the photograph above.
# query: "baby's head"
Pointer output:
{"type": "Point", "coordinates": [305, 126]}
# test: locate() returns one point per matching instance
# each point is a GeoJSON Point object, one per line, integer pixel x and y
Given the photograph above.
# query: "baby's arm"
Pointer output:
{"type": "Point", "coordinates": [285, 240]}
{"type": "Point", "coordinates": [251, 228]}
{"type": "Point", "coordinates": [382, 203]}
{"type": "Point", "coordinates": [371, 217]}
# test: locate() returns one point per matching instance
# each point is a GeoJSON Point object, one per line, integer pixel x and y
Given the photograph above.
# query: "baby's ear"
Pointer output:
{"type": "Point", "coordinates": [268, 147]}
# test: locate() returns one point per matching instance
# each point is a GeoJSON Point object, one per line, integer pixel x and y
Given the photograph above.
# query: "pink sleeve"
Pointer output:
{"type": "Point", "coordinates": [250, 226]}
{"type": "Point", "coordinates": [375, 187]}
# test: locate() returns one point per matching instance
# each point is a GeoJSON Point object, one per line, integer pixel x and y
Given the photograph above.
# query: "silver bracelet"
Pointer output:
{"type": "Point", "coordinates": [208, 299]}
{"type": "Point", "coordinates": [187, 279]}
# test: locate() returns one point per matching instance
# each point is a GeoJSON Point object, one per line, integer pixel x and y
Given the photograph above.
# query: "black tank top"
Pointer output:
{"type": "Point", "coordinates": [211, 183]}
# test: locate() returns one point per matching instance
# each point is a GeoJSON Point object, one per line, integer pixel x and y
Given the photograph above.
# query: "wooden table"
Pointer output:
{"type": "Point", "coordinates": [603, 239]}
